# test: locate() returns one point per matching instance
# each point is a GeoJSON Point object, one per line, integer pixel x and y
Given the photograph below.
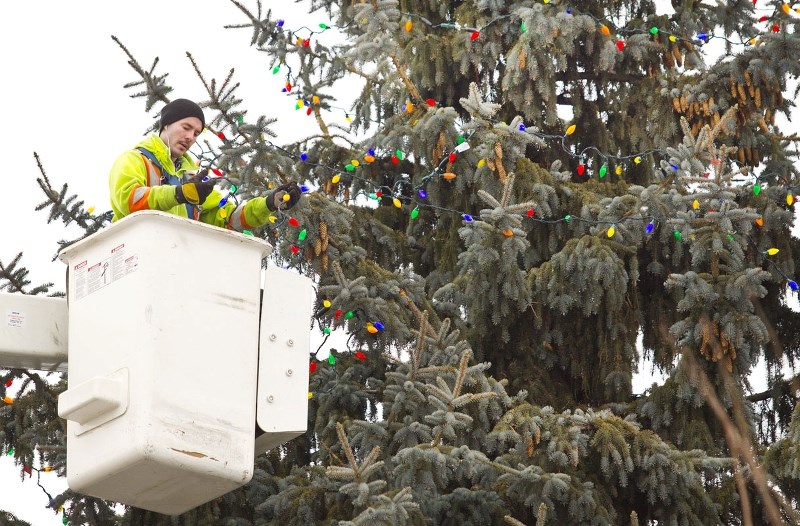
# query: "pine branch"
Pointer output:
{"type": "Point", "coordinates": [16, 279]}
{"type": "Point", "coordinates": [156, 88]}
{"type": "Point", "coordinates": [412, 89]}
{"type": "Point", "coordinates": [739, 445]}
{"type": "Point", "coordinates": [68, 208]}
{"type": "Point", "coordinates": [785, 387]}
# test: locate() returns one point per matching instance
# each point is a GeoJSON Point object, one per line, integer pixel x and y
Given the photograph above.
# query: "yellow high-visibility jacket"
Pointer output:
{"type": "Point", "coordinates": [136, 183]}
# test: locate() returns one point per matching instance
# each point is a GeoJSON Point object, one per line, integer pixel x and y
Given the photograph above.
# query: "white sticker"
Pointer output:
{"type": "Point", "coordinates": [15, 318]}
{"type": "Point", "coordinates": [90, 278]}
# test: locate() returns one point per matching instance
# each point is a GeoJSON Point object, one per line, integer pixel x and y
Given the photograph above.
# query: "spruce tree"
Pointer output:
{"type": "Point", "coordinates": [524, 201]}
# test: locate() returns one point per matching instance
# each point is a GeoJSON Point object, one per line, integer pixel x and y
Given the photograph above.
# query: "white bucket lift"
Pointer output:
{"type": "Point", "coordinates": [166, 379]}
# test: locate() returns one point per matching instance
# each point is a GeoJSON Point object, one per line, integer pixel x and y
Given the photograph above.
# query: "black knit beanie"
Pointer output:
{"type": "Point", "coordinates": [180, 109]}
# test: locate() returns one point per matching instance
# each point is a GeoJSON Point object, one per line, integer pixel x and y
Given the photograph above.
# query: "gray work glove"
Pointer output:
{"type": "Point", "coordinates": [277, 201]}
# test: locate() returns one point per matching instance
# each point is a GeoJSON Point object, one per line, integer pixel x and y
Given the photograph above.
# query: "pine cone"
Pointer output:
{"type": "Point", "coordinates": [522, 59]}
{"type": "Point", "coordinates": [669, 63]}
{"type": "Point", "coordinates": [318, 247]}
{"type": "Point", "coordinates": [438, 149]}
{"type": "Point", "coordinates": [498, 151]}
{"type": "Point", "coordinates": [742, 94]}
{"type": "Point", "coordinates": [676, 54]}
{"type": "Point", "coordinates": [323, 230]}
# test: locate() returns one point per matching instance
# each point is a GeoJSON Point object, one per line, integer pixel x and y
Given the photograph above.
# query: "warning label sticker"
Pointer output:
{"type": "Point", "coordinates": [15, 319]}
{"type": "Point", "coordinates": [91, 277]}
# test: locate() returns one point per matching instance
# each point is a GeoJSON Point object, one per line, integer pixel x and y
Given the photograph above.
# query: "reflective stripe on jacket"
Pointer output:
{"type": "Point", "coordinates": [136, 184]}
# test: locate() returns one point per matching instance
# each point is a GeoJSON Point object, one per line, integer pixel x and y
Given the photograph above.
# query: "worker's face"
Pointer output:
{"type": "Point", "coordinates": [180, 135]}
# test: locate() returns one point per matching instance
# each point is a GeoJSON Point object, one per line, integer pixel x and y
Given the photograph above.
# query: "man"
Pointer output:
{"type": "Point", "coordinates": [159, 174]}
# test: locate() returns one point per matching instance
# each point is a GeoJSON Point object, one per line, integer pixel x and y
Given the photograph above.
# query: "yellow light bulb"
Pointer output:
{"type": "Point", "coordinates": [326, 304]}
{"type": "Point", "coordinates": [481, 163]}
{"type": "Point", "coordinates": [637, 159]}
{"type": "Point", "coordinates": [773, 251]}
{"type": "Point", "coordinates": [673, 38]}
{"type": "Point", "coordinates": [315, 99]}
{"type": "Point", "coordinates": [618, 170]}
{"type": "Point", "coordinates": [396, 202]}
{"type": "Point", "coordinates": [335, 179]}
{"type": "Point", "coordinates": [409, 25]}
{"type": "Point", "coordinates": [696, 204]}
{"type": "Point", "coordinates": [90, 210]}
{"type": "Point", "coordinates": [355, 162]}
{"type": "Point", "coordinates": [222, 213]}
{"type": "Point", "coordinates": [611, 231]}
{"type": "Point", "coordinates": [571, 129]}
{"type": "Point", "coordinates": [272, 219]}
{"type": "Point", "coordinates": [286, 198]}
{"type": "Point", "coordinates": [508, 233]}
{"type": "Point", "coordinates": [310, 395]}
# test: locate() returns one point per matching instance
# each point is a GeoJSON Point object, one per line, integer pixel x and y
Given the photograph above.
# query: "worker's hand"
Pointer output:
{"type": "Point", "coordinates": [278, 200]}
{"type": "Point", "coordinates": [195, 190]}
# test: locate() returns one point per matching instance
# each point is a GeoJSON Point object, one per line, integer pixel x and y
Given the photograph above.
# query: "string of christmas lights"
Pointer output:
{"type": "Point", "coordinates": [418, 202]}
{"type": "Point", "coordinates": [603, 26]}
{"type": "Point", "coordinates": [29, 469]}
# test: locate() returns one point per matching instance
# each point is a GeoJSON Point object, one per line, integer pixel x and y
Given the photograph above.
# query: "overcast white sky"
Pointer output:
{"type": "Point", "coordinates": [63, 97]}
